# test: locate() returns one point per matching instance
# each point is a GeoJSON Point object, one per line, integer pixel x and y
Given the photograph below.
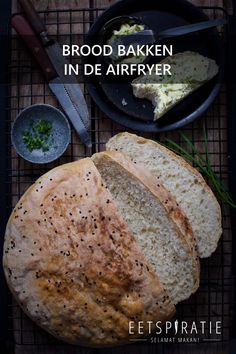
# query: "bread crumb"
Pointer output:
{"type": "Point", "coordinates": [124, 102]}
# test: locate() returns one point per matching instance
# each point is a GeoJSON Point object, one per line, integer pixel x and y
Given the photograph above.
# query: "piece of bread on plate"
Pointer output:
{"type": "Point", "coordinates": [190, 70]}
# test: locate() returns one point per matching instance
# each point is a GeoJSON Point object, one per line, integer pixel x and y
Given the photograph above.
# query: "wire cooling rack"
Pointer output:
{"type": "Point", "coordinates": [213, 301]}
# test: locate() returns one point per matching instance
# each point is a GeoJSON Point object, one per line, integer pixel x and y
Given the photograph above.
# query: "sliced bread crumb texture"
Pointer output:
{"type": "Point", "coordinates": [155, 220]}
{"type": "Point", "coordinates": [184, 182]}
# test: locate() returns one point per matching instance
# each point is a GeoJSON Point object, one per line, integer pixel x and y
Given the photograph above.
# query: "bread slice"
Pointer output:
{"type": "Point", "coordinates": [155, 220]}
{"type": "Point", "coordinates": [189, 71]}
{"type": "Point", "coordinates": [73, 265]}
{"type": "Point", "coordinates": [184, 182]}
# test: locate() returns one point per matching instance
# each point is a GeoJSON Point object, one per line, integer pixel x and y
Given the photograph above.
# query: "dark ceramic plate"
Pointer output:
{"type": "Point", "coordinates": [158, 15]}
{"type": "Point", "coordinates": [59, 138]}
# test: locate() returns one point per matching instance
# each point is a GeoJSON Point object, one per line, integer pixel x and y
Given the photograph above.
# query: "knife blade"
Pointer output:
{"type": "Point", "coordinates": [59, 89]}
{"type": "Point", "coordinates": [55, 54]}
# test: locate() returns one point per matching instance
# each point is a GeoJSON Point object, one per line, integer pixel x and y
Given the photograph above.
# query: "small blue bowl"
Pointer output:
{"type": "Point", "coordinates": [59, 137]}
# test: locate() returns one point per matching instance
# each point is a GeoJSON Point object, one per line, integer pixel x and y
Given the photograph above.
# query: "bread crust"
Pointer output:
{"type": "Point", "coordinates": [175, 213]}
{"type": "Point", "coordinates": [184, 164]}
{"type": "Point", "coordinates": [74, 266]}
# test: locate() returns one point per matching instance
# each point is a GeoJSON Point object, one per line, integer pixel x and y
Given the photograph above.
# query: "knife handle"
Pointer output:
{"type": "Point", "coordinates": [22, 27]}
{"type": "Point", "coordinates": [33, 16]}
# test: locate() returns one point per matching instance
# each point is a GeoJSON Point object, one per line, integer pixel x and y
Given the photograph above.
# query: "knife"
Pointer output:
{"type": "Point", "coordinates": [56, 84]}
{"type": "Point", "coordinates": [54, 52]}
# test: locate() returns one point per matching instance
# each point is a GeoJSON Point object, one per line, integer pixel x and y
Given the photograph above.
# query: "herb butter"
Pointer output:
{"type": "Point", "coordinates": [127, 29]}
{"type": "Point", "coordinates": [189, 71]}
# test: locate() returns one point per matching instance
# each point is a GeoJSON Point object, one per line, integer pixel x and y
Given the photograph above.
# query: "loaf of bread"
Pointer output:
{"type": "Point", "coordinates": [155, 219]}
{"type": "Point", "coordinates": [189, 71]}
{"type": "Point", "coordinates": [183, 181]}
{"type": "Point", "coordinates": [75, 267]}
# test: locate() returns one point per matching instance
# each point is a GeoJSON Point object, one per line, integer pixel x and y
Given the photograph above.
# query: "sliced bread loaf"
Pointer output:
{"type": "Point", "coordinates": [156, 221]}
{"type": "Point", "coordinates": [73, 265]}
{"type": "Point", "coordinates": [183, 181]}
